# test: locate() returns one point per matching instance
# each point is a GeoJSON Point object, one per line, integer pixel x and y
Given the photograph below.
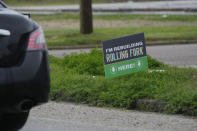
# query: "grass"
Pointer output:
{"type": "Point", "coordinates": [183, 18]}
{"type": "Point", "coordinates": [73, 81]}
{"type": "Point", "coordinates": [152, 34]}
{"type": "Point", "coordinates": [166, 34]}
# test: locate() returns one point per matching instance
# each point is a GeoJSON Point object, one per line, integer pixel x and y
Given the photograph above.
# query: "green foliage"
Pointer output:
{"type": "Point", "coordinates": [93, 64]}
{"type": "Point", "coordinates": [154, 64]}
{"type": "Point", "coordinates": [182, 18]}
{"type": "Point", "coordinates": [80, 78]}
{"type": "Point", "coordinates": [142, 17]}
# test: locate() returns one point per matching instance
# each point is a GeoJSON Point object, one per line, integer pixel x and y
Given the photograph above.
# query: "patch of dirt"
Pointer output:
{"type": "Point", "coordinates": [98, 23]}
{"type": "Point", "coordinates": [194, 76]}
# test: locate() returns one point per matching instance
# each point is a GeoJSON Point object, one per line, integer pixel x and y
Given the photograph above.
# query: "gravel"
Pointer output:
{"type": "Point", "coordinates": [71, 117]}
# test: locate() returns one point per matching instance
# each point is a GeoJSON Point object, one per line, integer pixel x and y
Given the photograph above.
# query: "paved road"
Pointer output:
{"type": "Point", "coordinates": [71, 117]}
{"type": "Point", "coordinates": [159, 7]}
{"type": "Point", "coordinates": [176, 55]}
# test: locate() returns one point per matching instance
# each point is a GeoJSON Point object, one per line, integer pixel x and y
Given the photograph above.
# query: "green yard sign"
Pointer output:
{"type": "Point", "coordinates": [125, 55]}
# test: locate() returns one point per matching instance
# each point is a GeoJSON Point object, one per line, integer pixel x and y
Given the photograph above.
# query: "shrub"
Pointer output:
{"type": "Point", "coordinates": [72, 80]}
{"type": "Point", "coordinates": [93, 64]}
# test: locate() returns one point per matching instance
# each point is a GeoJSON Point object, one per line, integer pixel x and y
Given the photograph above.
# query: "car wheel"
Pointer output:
{"type": "Point", "coordinates": [14, 121]}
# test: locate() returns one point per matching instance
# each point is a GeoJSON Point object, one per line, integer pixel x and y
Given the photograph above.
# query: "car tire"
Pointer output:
{"type": "Point", "coordinates": [14, 121]}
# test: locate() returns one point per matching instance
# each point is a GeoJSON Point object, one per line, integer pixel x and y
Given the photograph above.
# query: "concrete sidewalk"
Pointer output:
{"type": "Point", "coordinates": [160, 7]}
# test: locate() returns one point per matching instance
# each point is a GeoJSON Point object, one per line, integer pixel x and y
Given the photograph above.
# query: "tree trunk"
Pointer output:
{"type": "Point", "coordinates": [86, 22]}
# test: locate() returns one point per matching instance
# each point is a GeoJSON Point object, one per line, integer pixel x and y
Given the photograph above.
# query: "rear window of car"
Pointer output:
{"type": "Point", "coordinates": [1, 5]}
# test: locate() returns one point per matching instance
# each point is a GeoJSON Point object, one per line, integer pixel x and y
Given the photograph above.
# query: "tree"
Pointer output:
{"type": "Point", "coordinates": [86, 22]}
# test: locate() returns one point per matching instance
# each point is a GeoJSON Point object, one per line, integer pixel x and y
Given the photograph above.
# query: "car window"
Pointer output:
{"type": "Point", "coordinates": [2, 5]}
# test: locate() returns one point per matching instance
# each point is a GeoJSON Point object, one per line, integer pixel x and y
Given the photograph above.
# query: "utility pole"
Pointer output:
{"type": "Point", "coordinates": [86, 22]}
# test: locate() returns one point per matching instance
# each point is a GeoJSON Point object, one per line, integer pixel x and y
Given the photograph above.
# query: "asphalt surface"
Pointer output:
{"type": "Point", "coordinates": [155, 7]}
{"type": "Point", "coordinates": [175, 55]}
{"type": "Point", "coordinates": [71, 117]}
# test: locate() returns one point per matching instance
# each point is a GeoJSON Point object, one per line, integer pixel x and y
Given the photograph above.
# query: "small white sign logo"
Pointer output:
{"type": "Point", "coordinates": [113, 69]}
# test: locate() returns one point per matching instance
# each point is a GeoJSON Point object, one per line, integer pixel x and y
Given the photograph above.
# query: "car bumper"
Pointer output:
{"type": "Point", "coordinates": [30, 80]}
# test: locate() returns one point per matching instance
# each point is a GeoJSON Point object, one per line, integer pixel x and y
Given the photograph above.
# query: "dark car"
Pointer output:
{"type": "Point", "coordinates": [24, 68]}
